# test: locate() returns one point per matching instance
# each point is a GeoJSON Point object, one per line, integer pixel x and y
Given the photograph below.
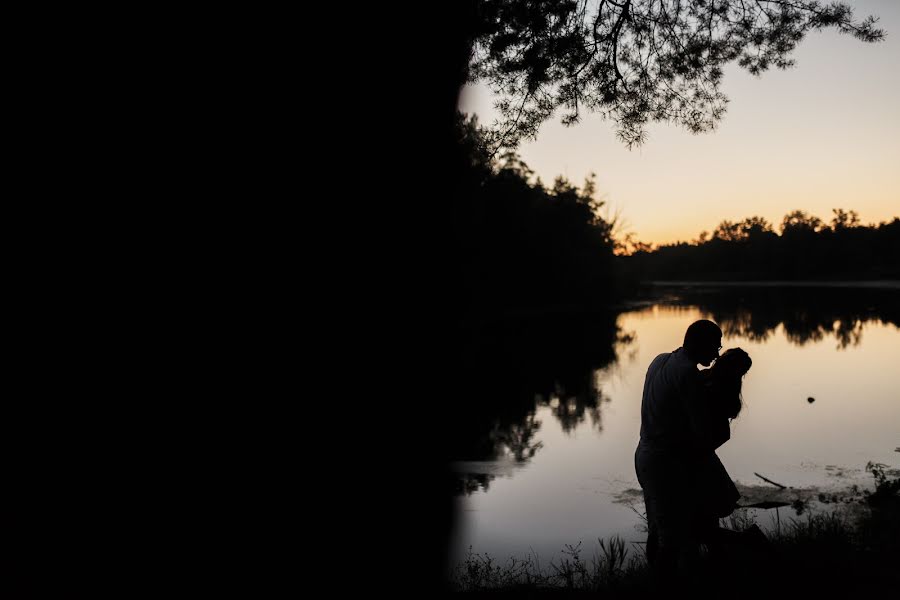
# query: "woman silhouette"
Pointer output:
{"type": "Point", "coordinates": [720, 397]}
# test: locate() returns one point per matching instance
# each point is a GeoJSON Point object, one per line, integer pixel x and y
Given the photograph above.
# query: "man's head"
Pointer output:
{"type": "Point", "coordinates": [702, 341]}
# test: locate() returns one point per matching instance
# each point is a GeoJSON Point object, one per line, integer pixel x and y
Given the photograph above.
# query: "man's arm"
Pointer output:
{"type": "Point", "coordinates": [705, 434]}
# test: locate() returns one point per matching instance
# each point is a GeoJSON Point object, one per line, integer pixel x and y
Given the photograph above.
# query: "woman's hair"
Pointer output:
{"type": "Point", "coordinates": [726, 373]}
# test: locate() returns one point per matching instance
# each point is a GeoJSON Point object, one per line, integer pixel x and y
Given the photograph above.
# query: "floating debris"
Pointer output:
{"type": "Point", "coordinates": [770, 481]}
{"type": "Point", "coordinates": [767, 504]}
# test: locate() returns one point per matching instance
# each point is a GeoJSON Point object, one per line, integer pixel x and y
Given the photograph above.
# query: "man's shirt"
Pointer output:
{"type": "Point", "coordinates": [672, 418]}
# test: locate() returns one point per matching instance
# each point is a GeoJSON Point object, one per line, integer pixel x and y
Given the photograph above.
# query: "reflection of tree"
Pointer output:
{"type": "Point", "coordinates": [515, 367]}
{"type": "Point", "coordinates": [468, 483]}
{"type": "Point", "coordinates": [848, 332]}
{"type": "Point", "coordinates": [807, 315]}
{"type": "Point", "coordinates": [572, 410]}
{"type": "Point", "coordinates": [743, 324]}
{"type": "Point", "coordinates": [625, 340]}
{"type": "Point", "coordinates": [804, 324]}
{"type": "Point", "coordinates": [804, 335]}
{"type": "Point", "coordinates": [517, 439]}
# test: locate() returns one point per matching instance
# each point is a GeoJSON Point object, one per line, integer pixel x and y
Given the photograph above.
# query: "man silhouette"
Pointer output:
{"type": "Point", "coordinates": [673, 430]}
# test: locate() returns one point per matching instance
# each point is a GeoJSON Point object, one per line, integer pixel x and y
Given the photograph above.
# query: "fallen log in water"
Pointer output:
{"type": "Point", "coordinates": [784, 487]}
{"type": "Point", "coordinates": [766, 504]}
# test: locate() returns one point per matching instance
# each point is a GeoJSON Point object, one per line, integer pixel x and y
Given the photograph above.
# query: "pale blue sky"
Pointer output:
{"type": "Point", "coordinates": [824, 134]}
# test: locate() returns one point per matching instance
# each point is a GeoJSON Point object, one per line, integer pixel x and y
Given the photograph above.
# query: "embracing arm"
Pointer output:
{"type": "Point", "coordinates": [707, 432]}
{"type": "Point", "coordinates": [720, 431]}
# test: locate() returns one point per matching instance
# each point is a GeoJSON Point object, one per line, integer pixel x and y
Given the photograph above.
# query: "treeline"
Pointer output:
{"type": "Point", "coordinates": [805, 248]}
{"type": "Point", "coordinates": [521, 246]}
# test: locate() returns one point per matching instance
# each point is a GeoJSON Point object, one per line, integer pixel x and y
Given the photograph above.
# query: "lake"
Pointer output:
{"type": "Point", "coordinates": [549, 458]}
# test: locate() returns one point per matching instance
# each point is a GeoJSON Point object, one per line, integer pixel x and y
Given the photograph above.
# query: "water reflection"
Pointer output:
{"type": "Point", "coordinates": [579, 484]}
{"type": "Point", "coordinates": [806, 315]}
{"type": "Point", "coordinates": [513, 368]}
{"type": "Point", "coordinates": [571, 411]}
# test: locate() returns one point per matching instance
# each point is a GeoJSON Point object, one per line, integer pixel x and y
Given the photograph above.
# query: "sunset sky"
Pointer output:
{"type": "Point", "coordinates": [822, 135]}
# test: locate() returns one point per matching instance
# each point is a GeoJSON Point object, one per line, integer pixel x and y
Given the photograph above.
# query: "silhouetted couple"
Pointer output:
{"type": "Point", "coordinates": [685, 416]}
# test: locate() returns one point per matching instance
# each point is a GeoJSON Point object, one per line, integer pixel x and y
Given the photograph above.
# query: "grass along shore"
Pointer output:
{"type": "Point", "coordinates": [833, 552]}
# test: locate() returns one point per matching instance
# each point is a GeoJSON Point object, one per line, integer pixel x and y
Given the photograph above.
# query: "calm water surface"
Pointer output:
{"type": "Point", "coordinates": [563, 472]}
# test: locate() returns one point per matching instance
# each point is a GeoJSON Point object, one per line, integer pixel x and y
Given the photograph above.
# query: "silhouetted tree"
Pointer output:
{"type": "Point", "coordinates": [844, 219]}
{"type": "Point", "coordinates": [799, 223]}
{"type": "Point", "coordinates": [524, 247]}
{"type": "Point", "coordinates": [634, 61]}
{"type": "Point", "coordinates": [806, 249]}
{"type": "Point", "coordinates": [755, 227]}
{"type": "Point", "coordinates": [727, 231]}
{"type": "Point", "coordinates": [535, 277]}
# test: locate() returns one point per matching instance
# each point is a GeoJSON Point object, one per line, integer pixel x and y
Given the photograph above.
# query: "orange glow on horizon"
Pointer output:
{"type": "Point", "coordinates": [820, 136]}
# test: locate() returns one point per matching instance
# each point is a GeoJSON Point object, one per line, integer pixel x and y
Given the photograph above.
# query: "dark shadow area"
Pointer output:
{"type": "Point", "coordinates": [523, 247]}
{"type": "Point", "coordinates": [808, 315]}
{"type": "Point", "coordinates": [514, 366]}
{"type": "Point", "coordinates": [467, 283]}
{"type": "Point", "coordinates": [534, 277]}
{"type": "Point", "coordinates": [846, 550]}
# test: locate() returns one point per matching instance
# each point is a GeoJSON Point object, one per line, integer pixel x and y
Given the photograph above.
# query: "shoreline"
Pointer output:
{"type": "Point", "coordinates": [871, 284]}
